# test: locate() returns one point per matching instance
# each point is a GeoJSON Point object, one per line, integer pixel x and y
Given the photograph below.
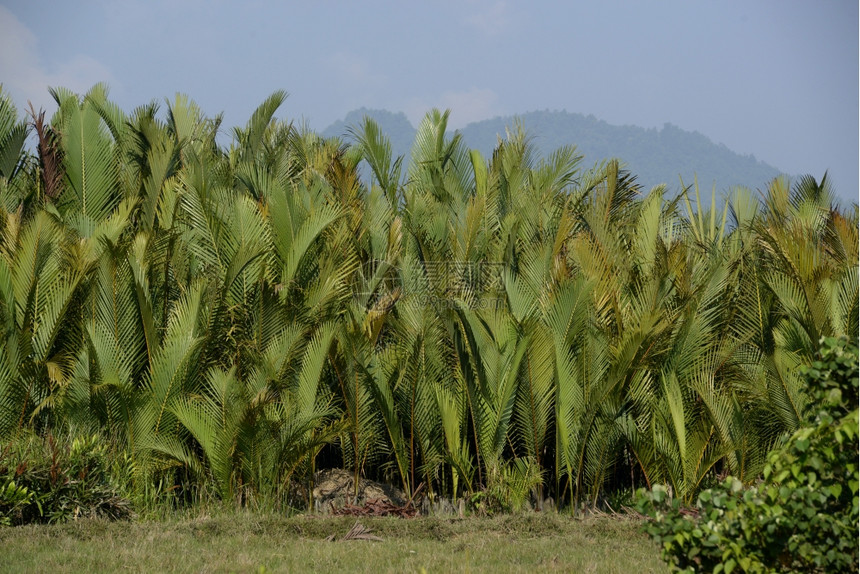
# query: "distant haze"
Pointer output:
{"type": "Point", "coordinates": [668, 155]}
{"type": "Point", "coordinates": [774, 78]}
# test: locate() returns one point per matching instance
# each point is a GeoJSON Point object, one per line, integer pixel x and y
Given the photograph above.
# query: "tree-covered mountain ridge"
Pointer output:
{"type": "Point", "coordinates": [666, 155]}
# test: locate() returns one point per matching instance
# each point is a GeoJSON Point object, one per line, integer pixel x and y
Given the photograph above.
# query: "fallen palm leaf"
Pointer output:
{"type": "Point", "coordinates": [360, 532]}
{"type": "Point", "coordinates": [376, 507]}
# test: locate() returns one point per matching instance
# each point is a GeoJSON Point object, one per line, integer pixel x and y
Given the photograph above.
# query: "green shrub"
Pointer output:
{"type": "Point", "coordinates": [42, 480]}
{"type": "Point", "coordinates": [802, 516]}
{"type": "Point", "coordinates": [508, 487]}
{"type": "Point", "coordinates": [13, 500]}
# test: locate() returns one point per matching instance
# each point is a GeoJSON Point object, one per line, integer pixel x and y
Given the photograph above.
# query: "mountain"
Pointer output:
{"type": "Point", "coordinates": [394, 125]}
{"type": "Point", "coordinates": [653, 155]}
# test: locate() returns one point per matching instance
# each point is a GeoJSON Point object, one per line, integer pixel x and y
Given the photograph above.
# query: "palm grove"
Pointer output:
{"type": "Point", "coordinates": [229, 320]}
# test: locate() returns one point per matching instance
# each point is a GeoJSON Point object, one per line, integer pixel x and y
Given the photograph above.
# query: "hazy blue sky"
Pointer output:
{"type": "Point", "coordinates": [778, 79]}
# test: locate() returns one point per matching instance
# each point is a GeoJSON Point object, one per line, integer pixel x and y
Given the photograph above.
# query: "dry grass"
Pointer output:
{"type": "Point", "coordinates": [253, 543]}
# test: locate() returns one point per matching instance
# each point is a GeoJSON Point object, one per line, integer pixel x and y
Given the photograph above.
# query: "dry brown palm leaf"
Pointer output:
{"type": "Point", "coordinates": [50, 159]}
{"type": "Point", "coordinates": [360, 532]}
{"type": "Point", "coordinates": [376, 507]}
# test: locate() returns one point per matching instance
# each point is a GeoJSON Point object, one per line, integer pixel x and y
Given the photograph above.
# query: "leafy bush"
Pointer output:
{"type": "Point", "coordinates": [803, 515]}
{"type": "Point", "coordinates": [508, 487]}
{"type": "Point", "coordinates": [43, 481]}
{"type": "Point", "coordinates": [13, 500]}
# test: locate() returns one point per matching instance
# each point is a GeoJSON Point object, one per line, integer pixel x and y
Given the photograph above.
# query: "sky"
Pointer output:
{"type": "Point", "coordinates": [774, 78]}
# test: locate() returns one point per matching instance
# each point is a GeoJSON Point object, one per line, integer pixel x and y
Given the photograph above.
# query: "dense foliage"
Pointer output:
{"type": "Point", "coordinates": [803, 515]}
{"type": "Point", "coordinates": [52, 481]}
{"type": "Point", "coordinates": [229, 320]}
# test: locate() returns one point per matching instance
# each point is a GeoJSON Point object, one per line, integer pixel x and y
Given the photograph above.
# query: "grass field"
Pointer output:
{"type": "Point", "coordinates": [253, 543]}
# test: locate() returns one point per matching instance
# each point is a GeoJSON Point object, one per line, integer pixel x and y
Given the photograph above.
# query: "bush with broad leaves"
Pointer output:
{"type": "Point", "coordinates": [802, 516]}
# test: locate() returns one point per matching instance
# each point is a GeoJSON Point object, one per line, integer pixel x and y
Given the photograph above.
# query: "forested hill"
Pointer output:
{"type": "Point", "coordinates": [653, 155]}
